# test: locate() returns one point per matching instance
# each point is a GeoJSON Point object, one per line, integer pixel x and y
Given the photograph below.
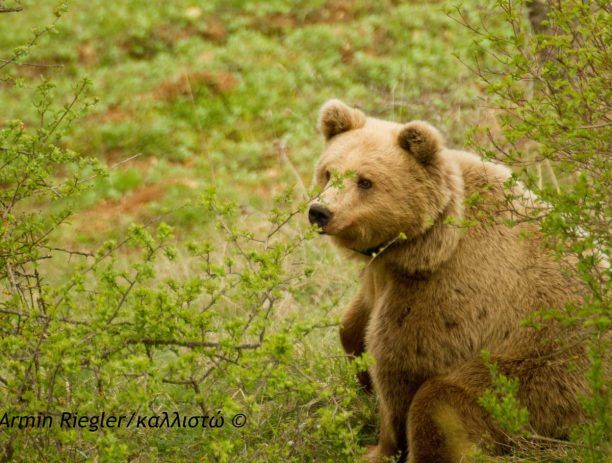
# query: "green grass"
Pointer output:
{"type": "Point", "coordinates": [204, 93]}
{"type": "Point", "coordinates": [215, 93]}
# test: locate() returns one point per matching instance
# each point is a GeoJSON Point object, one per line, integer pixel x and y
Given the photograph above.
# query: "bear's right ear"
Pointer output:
{"type": "Point", "coordinates": [421, 140]}
{"type": "Point", "coordinates": [336, 117]}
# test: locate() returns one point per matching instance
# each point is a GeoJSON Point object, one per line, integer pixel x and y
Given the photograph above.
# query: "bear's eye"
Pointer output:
{"type": "Point", "coordinates": [364, 183]}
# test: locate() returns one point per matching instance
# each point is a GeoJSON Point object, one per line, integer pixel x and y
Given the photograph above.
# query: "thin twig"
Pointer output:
{"type": "Point", "coordinates": [281, 145]}
{"type": "Point", "coordinates": [176, 342]}
{"type": "Point", "coordinates": [11, 10]}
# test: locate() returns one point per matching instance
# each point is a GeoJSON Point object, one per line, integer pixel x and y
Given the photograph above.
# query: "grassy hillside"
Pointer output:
{"type": "Point", "coordinates": [227, 93]}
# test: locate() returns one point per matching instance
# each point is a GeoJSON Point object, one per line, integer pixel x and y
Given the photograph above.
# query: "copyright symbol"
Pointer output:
{"type": "Point", "coordinates": [239, 420]}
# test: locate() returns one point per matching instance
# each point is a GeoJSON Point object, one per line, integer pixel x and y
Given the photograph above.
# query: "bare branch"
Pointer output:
{"type": "Point", "coordinates": [10, 10]}
{"type": "Point", "coordinates": [176, 342]}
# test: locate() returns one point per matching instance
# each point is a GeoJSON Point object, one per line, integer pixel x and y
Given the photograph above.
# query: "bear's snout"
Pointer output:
{"type": "Point", "coordinates": [319, 215]}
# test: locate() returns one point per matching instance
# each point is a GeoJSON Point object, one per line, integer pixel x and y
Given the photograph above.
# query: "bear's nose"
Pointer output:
{"type": "Point", "coordinates": [319, 215]}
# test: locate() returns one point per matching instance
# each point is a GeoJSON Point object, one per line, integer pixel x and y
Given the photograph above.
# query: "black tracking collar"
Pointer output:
{"type": "Point", "coordinates": [374, 250]}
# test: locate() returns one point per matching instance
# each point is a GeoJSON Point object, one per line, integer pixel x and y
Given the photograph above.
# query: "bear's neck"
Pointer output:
{"type": "Point", "coordinates": [422, 255]}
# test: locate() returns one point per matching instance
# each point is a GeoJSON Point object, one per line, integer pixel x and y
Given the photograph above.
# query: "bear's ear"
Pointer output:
{"type": "Point", "coordinates": [421, 140]}
{"type": "Point", "coordinates": [336, 117]}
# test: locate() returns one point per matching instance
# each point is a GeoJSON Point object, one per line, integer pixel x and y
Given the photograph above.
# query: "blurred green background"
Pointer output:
{"type": "Point", "coordinates": [227, 92]}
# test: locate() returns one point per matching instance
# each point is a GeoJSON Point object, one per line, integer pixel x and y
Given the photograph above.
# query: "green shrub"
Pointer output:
{"type": "Point", "coordinates": [546, 67]}
{"type": "Point", "coordinates": [156, 329]}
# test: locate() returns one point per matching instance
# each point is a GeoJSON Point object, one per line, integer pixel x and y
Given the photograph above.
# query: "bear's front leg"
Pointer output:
{"type": "Point", "coordinates": [352, 334]}
{"type": "Point", "coordinates": [391, 440]}
{"type": "Point", "coordinates": [395, 393]}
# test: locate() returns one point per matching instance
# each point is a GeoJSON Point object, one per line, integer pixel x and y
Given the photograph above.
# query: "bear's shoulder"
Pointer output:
{"type": "Point", "coordinates": [476, 171]}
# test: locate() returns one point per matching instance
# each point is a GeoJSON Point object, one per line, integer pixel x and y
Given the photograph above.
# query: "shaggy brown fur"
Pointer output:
{"type": "Point", "coordinates": [428, 305]}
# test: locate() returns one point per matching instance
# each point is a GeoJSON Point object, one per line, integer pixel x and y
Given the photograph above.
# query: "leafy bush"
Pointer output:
{"type": "Point", "coordinates": [546, 67]}
{"type": "Point", "coordinates": [178, 337]}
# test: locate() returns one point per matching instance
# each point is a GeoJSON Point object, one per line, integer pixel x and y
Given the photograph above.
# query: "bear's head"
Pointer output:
{"type": "Point", "coordinates": [392, 179]}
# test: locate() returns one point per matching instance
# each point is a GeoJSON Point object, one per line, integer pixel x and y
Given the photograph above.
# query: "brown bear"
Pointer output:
{"type": "Point", "coordinates": [446, 276]}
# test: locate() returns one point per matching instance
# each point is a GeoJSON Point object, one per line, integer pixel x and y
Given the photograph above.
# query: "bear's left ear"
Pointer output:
{"type": "Point", "coordinates": [336, 117]}
{"type": "Point", "coordinates": [420, 139]}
